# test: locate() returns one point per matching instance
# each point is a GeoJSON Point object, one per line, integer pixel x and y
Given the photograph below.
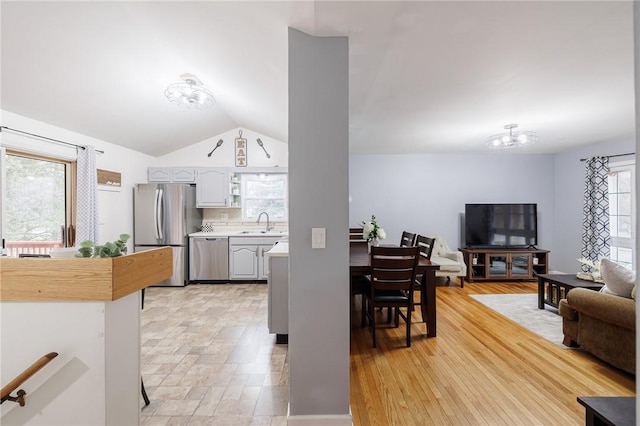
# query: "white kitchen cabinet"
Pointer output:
{"type": "Point", "coordinates": [183, 174]}
{"type": "Point", "coordinates": [159, 174]}
{"type": "Point", "coordinates": [212, 188]}
{"type": "Point", "coordinates": [171, 174]}
{"type": "Point", "coordinates": [263, 261]}
{"type": "Point", "coordinates": [278, 290]}
{"type": "Point", "coordinates": [247, 260]}
{"type": "Point", "coordinates": [243, 262]}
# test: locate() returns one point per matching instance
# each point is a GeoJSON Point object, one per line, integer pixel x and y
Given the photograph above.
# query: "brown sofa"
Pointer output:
{"type": "Point", "coordinates": [602, 324]}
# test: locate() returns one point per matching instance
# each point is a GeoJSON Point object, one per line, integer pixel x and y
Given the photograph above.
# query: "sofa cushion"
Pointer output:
{"type": "Point", "coordinates": [446, 264]}
{"type": "Point", "coordinates": [618, 280]}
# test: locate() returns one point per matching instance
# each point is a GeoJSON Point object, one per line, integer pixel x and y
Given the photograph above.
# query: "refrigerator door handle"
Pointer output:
{"type": "Point", "coordinates": [155, 214]}
{"type": "Point", "coordinates": [159, 218]}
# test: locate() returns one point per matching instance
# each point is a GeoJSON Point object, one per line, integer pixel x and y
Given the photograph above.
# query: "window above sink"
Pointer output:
{"type": "Point", "coordinates": [262, 192]}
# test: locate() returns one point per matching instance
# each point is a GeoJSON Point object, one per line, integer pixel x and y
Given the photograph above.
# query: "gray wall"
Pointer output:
{"type": "Point", "coordinates": [427, 193]}
{"type": "Point", "coordinates": [636, 51]}
{"type": "Point", "coordinates": [318, 198]}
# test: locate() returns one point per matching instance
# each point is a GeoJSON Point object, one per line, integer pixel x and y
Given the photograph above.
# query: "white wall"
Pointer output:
{"type": "Point", "coordinates": [569, 190]}
{"type": "Point", "coordinates": [427, 193]}
{"type": "Point", "coordinates": [224, 156]}
{"type": "Point", "coordinates": [116, 207]}
{"type": "Point", "coordinates": [94, 380]}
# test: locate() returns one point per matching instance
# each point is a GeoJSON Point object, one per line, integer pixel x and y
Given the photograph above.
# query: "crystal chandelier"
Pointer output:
{"type": "Point", "coordinates": [512, 139]}
{"type": "Point", "coordinates": [191, 93]}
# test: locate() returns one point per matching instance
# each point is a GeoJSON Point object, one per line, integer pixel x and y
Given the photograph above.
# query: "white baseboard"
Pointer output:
{"type": "Point", "coordinates": [320, 420]}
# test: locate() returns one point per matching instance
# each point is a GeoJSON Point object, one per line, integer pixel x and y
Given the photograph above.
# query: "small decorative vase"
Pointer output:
{"type": "Point", "coordinates": [372, 242]}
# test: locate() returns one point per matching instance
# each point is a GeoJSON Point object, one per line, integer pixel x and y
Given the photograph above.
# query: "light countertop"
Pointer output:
{"type": "Point", "coordinates": [240, 233]}
{"type": "Point", "coordinates": [279, 250]}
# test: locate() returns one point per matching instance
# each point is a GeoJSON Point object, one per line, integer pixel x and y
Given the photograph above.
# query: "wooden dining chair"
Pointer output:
{"type": "Point", "coordinates": [408, 239]}
{"type": "Point", "coordinates": [357, 283]}
{"type": "Point", "coordinates": [425, 246]}
{"type": "Point", "coordinates": [356, 236]}
{"type": "Point", "coordinates": [390, 285]}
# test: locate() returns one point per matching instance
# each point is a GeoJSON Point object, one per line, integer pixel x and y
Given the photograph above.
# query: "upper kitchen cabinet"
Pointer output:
{"type": "Point", "coordinates": [171, 174]}
{"type": "Point", "coordinates": [159, 174]}
{"type": "Point", "coordinates": [183, 174]}
{"type": "Point", "coordinates": [212, 188]}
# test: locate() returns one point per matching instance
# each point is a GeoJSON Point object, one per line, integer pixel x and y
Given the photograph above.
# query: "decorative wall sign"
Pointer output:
{"type": "Point", "coordinates": [241, 151]}
{"type": "Point", "coordinates": [108, 180]}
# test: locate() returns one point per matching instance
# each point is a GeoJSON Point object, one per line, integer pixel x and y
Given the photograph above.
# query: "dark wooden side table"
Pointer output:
{"type": "Point", "coordinates": [558, 285]}
{"type": "Point", "coordinates": [609, 410]}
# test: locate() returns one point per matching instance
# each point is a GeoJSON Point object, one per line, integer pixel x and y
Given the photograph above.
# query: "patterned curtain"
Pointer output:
{"type": "Point", "coordinates": [87, 204]}
{"type": "Point", "coordinates": [595, 222]}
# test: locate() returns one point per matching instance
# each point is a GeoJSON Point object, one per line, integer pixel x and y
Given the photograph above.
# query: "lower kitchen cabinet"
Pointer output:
{"type": "Point", "coordinates": [246, 257]}
{"type": "Point", "coordinates": [243, 262]}
{"type": "Point", "coordinates": [278, 313]}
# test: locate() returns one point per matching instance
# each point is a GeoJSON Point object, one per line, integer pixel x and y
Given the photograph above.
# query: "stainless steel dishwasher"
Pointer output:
{"type": "Point", "coordinates": [208, 258]}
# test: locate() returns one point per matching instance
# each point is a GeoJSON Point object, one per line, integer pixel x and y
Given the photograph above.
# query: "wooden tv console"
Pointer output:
{"type": "Point", "coordinates": [505, 264]}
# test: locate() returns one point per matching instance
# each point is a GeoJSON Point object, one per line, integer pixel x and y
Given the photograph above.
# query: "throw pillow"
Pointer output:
{"type": "Point", "coordinates": [633, 293]}
{"type": "Point", "coordinates": [618, 279]}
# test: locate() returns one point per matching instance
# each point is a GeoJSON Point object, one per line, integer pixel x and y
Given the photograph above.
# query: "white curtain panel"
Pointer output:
{"type": "Point", "coordinates": [595, 211]}
{"type": "Point", "coordinates": [87, 205]}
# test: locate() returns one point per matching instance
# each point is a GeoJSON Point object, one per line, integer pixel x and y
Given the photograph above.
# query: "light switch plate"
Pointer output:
{"type": "Point", "coordinates": [318, 238]}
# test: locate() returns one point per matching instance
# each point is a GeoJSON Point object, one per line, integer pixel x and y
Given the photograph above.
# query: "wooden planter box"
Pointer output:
{"type": "Point", "coordinates": [82, 279]}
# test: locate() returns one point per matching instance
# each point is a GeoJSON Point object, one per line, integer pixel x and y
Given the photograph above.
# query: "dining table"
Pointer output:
{"type": "Point", "coordinates": [360, 264]}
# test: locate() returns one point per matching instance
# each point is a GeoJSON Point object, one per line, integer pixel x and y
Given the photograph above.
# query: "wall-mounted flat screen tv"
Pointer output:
{"type": "Point", "coordinates": [501, 225]}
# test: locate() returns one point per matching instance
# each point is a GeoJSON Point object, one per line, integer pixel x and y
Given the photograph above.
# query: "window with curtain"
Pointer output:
{"type": "Point", "coordinates": [38, 200]}
{"type": "Point", "coordinates": [621, 182]}
{"type": "Point", "coordinates": [264, 193]}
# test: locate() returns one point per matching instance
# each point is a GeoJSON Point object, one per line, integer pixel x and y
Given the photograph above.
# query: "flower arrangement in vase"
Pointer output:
{"type": "Point", "coordinates": [372, 232]}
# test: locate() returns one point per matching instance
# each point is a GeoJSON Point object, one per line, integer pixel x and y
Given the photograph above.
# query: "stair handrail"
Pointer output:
{"type": "Point", "coordinates": [5, 394]}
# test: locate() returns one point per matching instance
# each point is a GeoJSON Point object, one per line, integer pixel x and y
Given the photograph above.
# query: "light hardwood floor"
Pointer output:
{"type": "Point", "coordinates": [481, 369]}
{"type": "Point", "coordinates": [207, 358]}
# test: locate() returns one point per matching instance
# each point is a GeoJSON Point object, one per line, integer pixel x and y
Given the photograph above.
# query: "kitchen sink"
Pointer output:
{"type": "Point", "coordinates": [261, 232]}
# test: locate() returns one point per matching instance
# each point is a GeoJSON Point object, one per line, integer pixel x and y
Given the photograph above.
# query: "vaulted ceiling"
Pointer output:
{"type": "Point", "coordinates": [424, 76]}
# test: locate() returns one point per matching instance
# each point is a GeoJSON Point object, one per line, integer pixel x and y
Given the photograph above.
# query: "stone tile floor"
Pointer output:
{"type": "Point", "coordinates": [208, 357]}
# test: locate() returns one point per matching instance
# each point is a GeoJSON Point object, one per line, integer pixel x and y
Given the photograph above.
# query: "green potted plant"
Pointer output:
{"type": "Point", "coordinates": [109, 249]}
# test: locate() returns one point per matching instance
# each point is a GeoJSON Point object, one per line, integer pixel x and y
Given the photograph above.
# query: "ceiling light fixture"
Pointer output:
{"type": "Point", "coordinates": [512, 139]}
{"type": "Point", "coordinates": [191, 93]}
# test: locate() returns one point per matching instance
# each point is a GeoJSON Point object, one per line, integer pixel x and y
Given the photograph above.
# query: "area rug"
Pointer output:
{"type": "Point", "coordinates": [523, 309]}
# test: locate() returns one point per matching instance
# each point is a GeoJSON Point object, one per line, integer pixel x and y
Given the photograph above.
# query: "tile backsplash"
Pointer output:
{"type": "Point", "coordinates": [217, 215]}
{"type": "Point", "coordinates": [233, 217]}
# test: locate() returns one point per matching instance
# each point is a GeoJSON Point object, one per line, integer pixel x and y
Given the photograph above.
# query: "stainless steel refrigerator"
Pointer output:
{"type": "Point", "coordinates": [164, 214]}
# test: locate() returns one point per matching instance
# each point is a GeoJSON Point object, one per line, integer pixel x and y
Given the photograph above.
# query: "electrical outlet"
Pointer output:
{"type": "Point", "coordinates": [224, 216]}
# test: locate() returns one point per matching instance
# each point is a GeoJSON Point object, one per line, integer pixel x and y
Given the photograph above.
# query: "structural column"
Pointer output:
{"type": "Point", "coordinates": [318, 198]}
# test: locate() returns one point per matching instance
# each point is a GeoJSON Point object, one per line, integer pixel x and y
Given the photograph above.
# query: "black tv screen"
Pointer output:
{"type": "Point", "coordinates": [501, 225]}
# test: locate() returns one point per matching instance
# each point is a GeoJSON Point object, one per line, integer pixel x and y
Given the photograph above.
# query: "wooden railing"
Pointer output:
{"type": "Point", "coordinates": [14, 248]}
{"type": "Point", "coordinates": [5, 394]}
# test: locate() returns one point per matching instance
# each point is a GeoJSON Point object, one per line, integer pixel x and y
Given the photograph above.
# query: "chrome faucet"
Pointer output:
{"type": "Point", "coordinates": [260, 216]}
